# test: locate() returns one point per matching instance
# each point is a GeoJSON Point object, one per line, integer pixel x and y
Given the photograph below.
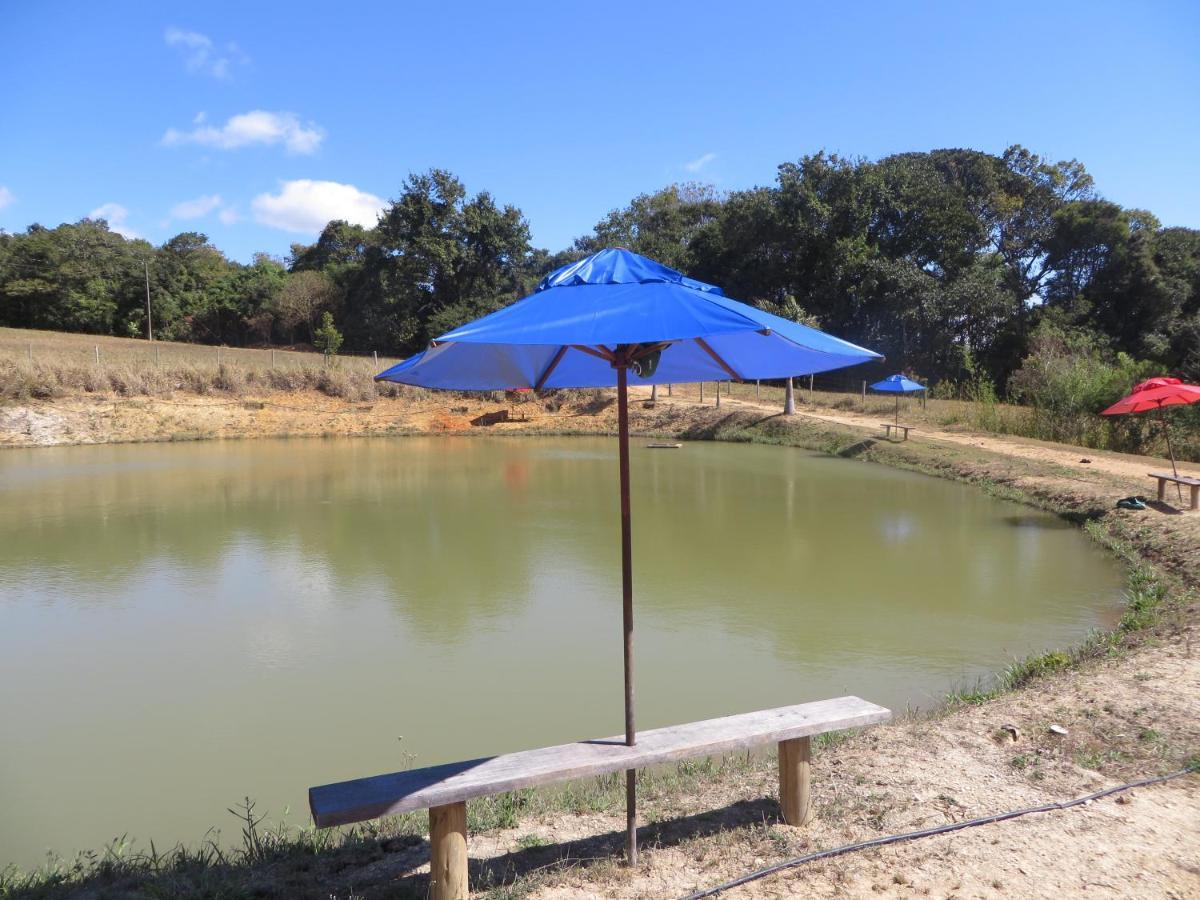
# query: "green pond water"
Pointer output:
{"type": "Point", "coordinates": [185, 625]}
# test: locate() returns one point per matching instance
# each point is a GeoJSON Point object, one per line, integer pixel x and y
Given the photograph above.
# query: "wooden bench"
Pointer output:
{"type": "Point", "coordinates": [888, 426]}
{"type": "Point", "coordinates": [444, 790]}
{"type": "Point", "coordinates": [1191, 483]}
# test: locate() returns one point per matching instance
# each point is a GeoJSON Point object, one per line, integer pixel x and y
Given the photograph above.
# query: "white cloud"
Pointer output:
{"type": "Point", "coordinates": [195, 209]}
{"type": "Point", "coordinates": [115, 214]}
{"type": "Point", "coordinates": [6, 197]}
{"type": "Point", "coordinates": [308, 206]}
{"type": "Point", "coordinates": [229, 216]}
{"type": "Point", "coordinates": [697, 164]}
{"type": "Point", "coordinates": [256, 127]}
{"type": "Point", "coordinates": [201, 55]}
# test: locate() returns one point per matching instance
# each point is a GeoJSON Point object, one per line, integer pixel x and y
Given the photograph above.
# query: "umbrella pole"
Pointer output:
{"type": "Point", "coordinates": [627, 609]}
{"type": "Point", "coordinates": [1171, 452]}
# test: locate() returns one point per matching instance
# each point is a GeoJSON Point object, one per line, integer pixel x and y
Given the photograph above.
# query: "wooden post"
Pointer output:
{"type": "Point", "coordinates": [149, 323]}
{"type": "Point", "coordinates": [864, 395]}
{"type": "Point", "coordinates": [448, 852]}
{"type": "Point", "coordinates": [97, 354]}
{"type": "Point", "coordinates": [810, 388]}
{"type": "Point", "coordinates": [718, 395]}
{"type": "Point", "coordinates": [702, 392]}
{"type": "Point", "coordinates": [795, 763]}
{"type": "Point", "coordinates": [757, 389]}
{"type": "Point", "coordinates": [668, 390]}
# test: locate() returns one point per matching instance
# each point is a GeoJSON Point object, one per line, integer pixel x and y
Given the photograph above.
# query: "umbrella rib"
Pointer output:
{"type": "Point", "coordinates": [540, 383]}
{"type": "Point", "coordinates": [603, 353]}
{"type": "Point", "coordinates": [703, 344]}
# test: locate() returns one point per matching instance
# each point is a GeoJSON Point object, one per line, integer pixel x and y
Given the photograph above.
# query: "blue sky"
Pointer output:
{"type": "Point", "coordinates": [254, 122]}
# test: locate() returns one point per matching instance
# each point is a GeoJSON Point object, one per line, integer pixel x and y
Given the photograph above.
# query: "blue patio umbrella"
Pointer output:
{"type": "Point", "coordinates": [590, 323]}
{"type": "Point", "coordinates": [897, 384]}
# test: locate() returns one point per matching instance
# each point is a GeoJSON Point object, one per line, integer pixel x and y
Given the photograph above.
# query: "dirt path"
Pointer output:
{"type": "Point", "coordinates": [1125, 466]}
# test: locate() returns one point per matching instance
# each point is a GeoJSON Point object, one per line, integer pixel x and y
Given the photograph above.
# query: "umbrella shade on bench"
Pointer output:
{"type": "Point", "coordinates": [897, 384]}
{"type": "Point", "coordinates": [1157, 393]}
{"type": "Point", "coordinates": [590, 323]}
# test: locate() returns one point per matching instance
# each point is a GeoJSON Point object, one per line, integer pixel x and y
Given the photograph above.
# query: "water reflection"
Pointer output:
{"type": "Point", "coordinates": [197, 608]}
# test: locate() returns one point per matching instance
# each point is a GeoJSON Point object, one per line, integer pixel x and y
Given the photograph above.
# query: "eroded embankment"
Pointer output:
{"type": "Point", "coordinates": [1127, 701]}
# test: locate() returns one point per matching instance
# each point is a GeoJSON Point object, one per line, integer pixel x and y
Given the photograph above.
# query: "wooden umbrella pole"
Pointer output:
{"type": "Point", "coordinates": [627, 607]}
{"type": "Point", "coordinates": [1171, 452]}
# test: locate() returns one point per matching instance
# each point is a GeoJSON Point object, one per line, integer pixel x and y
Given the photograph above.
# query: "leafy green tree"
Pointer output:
{"type": "Point", "coordinates": [327, 338]}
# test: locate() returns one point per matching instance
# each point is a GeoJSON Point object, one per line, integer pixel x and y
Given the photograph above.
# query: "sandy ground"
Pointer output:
{"type": "Point", "coordinates": [1129, 716]}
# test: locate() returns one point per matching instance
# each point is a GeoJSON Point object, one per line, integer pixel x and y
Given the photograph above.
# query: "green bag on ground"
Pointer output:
{"type": "Point", "coordinates": [1132, 503]}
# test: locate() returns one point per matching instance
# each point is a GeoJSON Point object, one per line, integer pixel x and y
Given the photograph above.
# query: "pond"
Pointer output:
{"type": "Point", "coordinates": [184, 625]}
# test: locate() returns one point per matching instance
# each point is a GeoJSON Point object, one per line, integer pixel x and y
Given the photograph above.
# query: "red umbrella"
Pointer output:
{"type": "Point", "coordinates": [1155, 393]}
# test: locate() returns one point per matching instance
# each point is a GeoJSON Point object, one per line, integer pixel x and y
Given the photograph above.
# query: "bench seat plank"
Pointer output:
{"type": "Point", "coordinates": [1182, 479]}
{"type": "Point", "coordinates": [384, 795]}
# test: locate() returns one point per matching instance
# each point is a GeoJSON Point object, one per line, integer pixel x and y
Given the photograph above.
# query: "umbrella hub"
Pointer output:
{"type": "Point", "coordinates": [641, 358]}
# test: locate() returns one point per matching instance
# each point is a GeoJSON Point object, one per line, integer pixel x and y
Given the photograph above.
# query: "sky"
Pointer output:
{"type": "Point", "coordinates": [256, 122]}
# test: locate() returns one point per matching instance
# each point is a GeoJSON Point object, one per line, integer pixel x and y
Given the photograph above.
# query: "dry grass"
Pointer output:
{"type": "Point", "coordinates": [46, 365]}
{"type": "Point", "coordinates": [56, 348]}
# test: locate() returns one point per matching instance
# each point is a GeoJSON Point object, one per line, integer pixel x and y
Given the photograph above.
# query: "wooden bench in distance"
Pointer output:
{"type": "Point", "coordinates": [888, 426]}
{"type": "Point", "coordinates": [1191, 483]}
{"type": "Point", "coordinates": [444, 790]}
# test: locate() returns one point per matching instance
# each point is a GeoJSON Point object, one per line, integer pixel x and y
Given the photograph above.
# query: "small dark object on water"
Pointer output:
{"type": "Point", "coordinates": [663, 446]}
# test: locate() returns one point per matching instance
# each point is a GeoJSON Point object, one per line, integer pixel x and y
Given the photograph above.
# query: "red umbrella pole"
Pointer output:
{"type": "Point", "coordinates": [627, 609]}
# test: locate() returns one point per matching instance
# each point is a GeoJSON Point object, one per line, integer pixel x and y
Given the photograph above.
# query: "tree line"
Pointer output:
{"type": "Point", "coordinates": [956, 264]}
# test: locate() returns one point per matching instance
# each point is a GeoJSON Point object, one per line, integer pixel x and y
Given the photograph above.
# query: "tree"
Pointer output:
{"type": "Point", "coordinates": [303, 297]}
{"type": "Point", "coordinates": [327, 338]}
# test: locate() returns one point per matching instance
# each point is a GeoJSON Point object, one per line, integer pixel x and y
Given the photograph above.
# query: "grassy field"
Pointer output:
{"type": "Point", "coordinates": [22, 346]}
{"type": "Point", "coordinates": [45, 365]}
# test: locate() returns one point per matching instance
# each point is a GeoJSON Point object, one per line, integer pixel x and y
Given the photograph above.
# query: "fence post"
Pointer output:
{"type": "Point", "coordinates": [864, 389]}
{"type": "Point", "coordinates": [810, 389]}
{"type": "Point", "coordinates": [375, 355]}
{"type": "Point", "coordinates": [718, 395]}
{"type": "Point", "coordinates": [668, 390]}
{"type": "Point", "coordinates": [97, 354]}
{"type": "Point", "coordinates": [702, 392]}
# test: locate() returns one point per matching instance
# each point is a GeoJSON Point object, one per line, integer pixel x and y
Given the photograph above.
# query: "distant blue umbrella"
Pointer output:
{"type": "Point", "coordinates": [591, 322]}
{"type": "Point", "coordinates": [897, 384]}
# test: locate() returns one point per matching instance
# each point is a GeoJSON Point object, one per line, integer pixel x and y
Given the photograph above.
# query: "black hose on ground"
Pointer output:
{"type": "Point", "coordinates": [930, 832]}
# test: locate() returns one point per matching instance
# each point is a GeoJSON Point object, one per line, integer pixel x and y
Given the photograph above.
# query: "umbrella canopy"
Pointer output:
{"type": "Point", "coordinates": [591, 322]}
{"type": "Point", "coordinates": [897, 384]}
{"type": "Point", "coordinates": [565, 334]}
{"type": "Point", "coordinates": [1155, 393]}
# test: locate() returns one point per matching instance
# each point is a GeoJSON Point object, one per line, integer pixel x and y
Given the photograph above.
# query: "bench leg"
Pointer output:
{"type": "Point", "coordinates": [1196, 496]}
{"type": "Point", "coordinates": [1162, 488]}
{"type": "Point", "coordinates": [448, 852]}
{"type": "Point", "coordinates": [795, 758]}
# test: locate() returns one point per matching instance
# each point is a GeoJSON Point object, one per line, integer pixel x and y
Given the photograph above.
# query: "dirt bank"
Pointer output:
{"type": "Point", "coordinates": [1130, 705]}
